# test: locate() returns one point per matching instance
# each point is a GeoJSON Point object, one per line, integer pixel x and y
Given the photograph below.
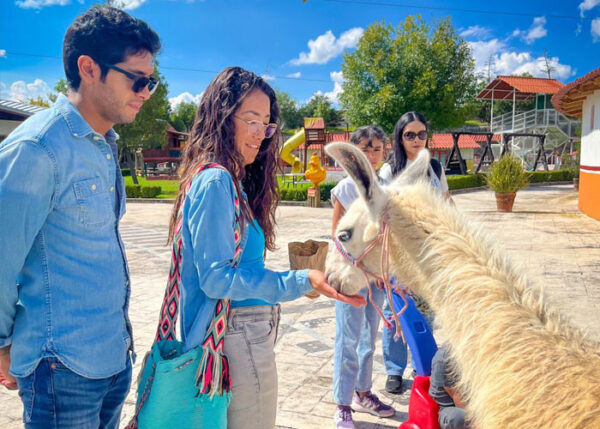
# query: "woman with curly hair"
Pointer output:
{"type": "Point", "coordinates": [236, 132]}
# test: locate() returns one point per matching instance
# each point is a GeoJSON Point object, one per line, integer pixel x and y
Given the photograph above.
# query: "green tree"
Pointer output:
{"type": "Point", "coordinates": [149, 128]}
{"type": "Point", "coordinates": [319, 106]}
{"type": "Point", "coordinates": [61, 87]}
{"type": "Point", "coordinates": [289, 111]}
{"type": "Point", "coordinates": [409, 67]}
{"type": "Point", "coordinates": [39, 101]}
{"type": "Point", "coordinates": [182, 117]}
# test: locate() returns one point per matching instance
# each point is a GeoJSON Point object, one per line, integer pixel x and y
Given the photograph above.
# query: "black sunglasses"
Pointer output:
{"type": "Point", "coordinates": [410, 135]}
{"type": "Point", "coordinates": [139, 82]}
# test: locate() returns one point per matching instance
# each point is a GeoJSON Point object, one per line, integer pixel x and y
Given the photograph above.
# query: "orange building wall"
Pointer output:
{"type": "Point", "coordinates": [589, 194]}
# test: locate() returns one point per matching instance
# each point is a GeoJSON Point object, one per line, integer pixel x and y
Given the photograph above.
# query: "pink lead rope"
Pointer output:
{"type": "Point", "coordinates": [384, 238]}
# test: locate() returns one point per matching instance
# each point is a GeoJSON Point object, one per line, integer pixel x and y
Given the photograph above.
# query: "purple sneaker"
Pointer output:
{"type": "Point", "coordinates": [371, 404]}
{"type": "Point", "coordinates": [343, 417]}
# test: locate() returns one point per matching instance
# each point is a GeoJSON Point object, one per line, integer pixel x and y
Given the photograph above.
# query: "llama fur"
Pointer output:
{"type": "Point", "coordinates": [519, 362]}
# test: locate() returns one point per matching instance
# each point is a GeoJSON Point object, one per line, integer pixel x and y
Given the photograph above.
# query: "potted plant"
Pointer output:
{"type": "Point", "coordinates": [505, 178]}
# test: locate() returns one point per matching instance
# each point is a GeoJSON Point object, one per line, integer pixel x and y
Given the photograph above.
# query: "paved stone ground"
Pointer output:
{"type": "Point", "coordinates": [556, 245]}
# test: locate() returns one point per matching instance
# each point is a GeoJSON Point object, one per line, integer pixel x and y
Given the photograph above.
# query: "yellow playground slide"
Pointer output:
{"type": "Point", "coordinates": [286, 151]}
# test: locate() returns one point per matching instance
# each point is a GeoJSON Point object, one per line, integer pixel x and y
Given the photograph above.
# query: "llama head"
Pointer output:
{"type": "Point", "coordinates": [361, 224]}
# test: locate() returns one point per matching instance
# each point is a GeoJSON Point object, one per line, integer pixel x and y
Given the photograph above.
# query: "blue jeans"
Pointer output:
{"type": "Point", "coordinates": [55, 397]}
{"type": "Point", "coordinates": [394, 352]}
{"type": "Point", "coordinates": [355, 334]}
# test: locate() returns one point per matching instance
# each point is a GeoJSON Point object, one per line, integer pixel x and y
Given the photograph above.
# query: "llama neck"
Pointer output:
{"type": "Point", "coordinates": [458, 265]}
{"type": "Point", "coordinates": [520, 365]}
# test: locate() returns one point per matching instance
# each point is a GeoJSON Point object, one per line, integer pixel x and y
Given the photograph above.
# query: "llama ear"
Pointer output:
{"type": "Point", "coordinates": [355, 163]}
{"type": "Point", "coordinates": [415, 172]}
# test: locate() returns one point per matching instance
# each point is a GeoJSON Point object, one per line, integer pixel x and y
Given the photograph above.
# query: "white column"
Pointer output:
{"type": "Point", "coordinates": [513, 112]}
{"type": "Point", "coordinates": [492, 114]}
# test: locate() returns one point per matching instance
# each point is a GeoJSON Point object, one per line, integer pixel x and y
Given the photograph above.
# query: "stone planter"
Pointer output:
{"type": "Point", "coordinates": [576, 183]}
{"type": "Point", "coordinates": [505, 201]}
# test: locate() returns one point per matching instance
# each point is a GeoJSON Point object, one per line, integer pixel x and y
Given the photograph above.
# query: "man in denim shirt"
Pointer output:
{"type": "Point", "coordinates": [64, 281]}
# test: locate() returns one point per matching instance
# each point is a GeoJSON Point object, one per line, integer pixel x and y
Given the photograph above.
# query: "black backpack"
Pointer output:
{"type": "Point", "coordinates": [437, 167]}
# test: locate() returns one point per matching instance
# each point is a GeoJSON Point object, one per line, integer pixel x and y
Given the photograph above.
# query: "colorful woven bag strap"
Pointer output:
{"type": "Point", "coordinates": [170, 306]}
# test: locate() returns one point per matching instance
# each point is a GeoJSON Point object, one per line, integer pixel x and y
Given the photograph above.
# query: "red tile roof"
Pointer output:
{"type": "Point", "coordinates": [465, 141]}
{"type": "Point", "coordinates": [526, 87]}
{"type": "Point", "coordinates": [569, 100]}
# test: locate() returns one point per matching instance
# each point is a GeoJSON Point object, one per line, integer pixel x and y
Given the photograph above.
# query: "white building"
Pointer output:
{"type": "Point", "coordinates": [12, 113]}
{"type": "Point", "coordinates": [581, 99]}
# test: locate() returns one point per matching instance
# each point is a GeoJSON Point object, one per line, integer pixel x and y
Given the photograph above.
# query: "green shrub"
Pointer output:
{"type": "Point", "coordinates": [326, 190]}
{"type": "Point", "coordinates": [125, 172]}
{"type": "Point", "coordinates": [133, 191]}
{"type": "Point", "coordinates": [466, 181]}
{"type": "Point", "coordinates": [150, 191]}
{"type": "Point", "coordinates": [300, 195]}
{"type": "Point", "coordinates": [565, 175]}
{"type": "Point", "coordinates": [137, 191]}
{"type": "Point", "coordinates": [571, 164]}
{"type": "Point", "coordinates": [507, 175]}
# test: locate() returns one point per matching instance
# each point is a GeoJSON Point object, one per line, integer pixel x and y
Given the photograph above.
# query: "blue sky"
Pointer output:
{"type": "Point", "coordinates": [298, 46]}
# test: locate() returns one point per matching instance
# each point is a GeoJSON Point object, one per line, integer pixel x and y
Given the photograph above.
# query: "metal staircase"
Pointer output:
{"type": "Point", "coordinates": [540, 118]}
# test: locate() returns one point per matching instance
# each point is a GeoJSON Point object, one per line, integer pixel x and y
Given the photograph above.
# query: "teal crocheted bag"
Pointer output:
{"type": "Point", "coordinates": [191, 389]}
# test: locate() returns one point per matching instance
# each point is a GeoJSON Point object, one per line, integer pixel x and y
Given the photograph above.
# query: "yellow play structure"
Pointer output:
{"type": "Point", "coordinates": [286, 151]}
{"type": "Point", "coordinates": [312, 133]}
{"type": "Point", "coordinates": [316, 173]}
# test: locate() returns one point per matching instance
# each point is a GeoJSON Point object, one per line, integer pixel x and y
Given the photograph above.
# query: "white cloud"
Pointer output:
{"type": "Point", "coordinates": [513, 63]}
{"type": "Point", "coordinates": [267, 77]}
{"type": "Point", "coordinates": [38, 4]}
{"type": "Point", "coordinates": [295, 75]}
{"type": "Point", "coordinates": [131, 4]}
{"type": "Point", "coordinates": [326, 46]}
{"type": "Point", "coordinates": [476, 31]}
{"type": "Point", "coordinates": [482, 51]}
{"type": "Point", "coordinates": [587, 5]}
{"type": "Point", "coordinates": [537, 30]}
{"type": "Point", "coordinates": [2, 53]}
{"type": "Point", "coordinates": [333, 95]}
{"type": "Point", "coordinates": [596, 30]}
{"type": "Point", "coordinates": [22, 91]}
{"type": "Point", "coordinates": [506, 62]}
{"type": "Point", "coordinates": [185, 97]}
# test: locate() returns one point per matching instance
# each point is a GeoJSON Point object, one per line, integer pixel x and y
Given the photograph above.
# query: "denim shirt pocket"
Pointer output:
{"type": "Point", "coordinates": [93, 200]}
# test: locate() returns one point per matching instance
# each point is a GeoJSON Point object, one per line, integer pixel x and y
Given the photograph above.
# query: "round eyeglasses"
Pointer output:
{"type": "Point", "coordinates": [257, 127]}
{"type": "Point", "coordinates": [410, 135]}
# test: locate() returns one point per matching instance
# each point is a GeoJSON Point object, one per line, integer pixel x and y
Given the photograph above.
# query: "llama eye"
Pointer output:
{"type": "Point", "coordinates": [345, 235]}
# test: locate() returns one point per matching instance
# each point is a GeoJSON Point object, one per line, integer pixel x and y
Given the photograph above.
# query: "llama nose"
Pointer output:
{"type": "Point", "coordinates": [333, 281]}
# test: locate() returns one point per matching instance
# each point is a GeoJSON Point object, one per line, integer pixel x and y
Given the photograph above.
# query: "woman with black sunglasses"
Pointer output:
{"type": "Point", "coordinates": [410, 136]}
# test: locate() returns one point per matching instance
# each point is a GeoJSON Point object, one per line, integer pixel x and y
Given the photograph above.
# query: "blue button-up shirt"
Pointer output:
{"type": "Point", "coordinates": [207, 271]}
{"type": "Point", "coordinates": [64, 280]}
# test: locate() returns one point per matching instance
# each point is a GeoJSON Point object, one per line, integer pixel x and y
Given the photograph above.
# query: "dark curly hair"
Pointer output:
{"type": "Point", "coordinates": [212, 140]}
{"type": "Point", "coordinates": [108, 35]}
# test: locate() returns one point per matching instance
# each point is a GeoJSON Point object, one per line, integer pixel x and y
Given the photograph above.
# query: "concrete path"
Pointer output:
{"type": "Point", "coordinates": [556, 245]}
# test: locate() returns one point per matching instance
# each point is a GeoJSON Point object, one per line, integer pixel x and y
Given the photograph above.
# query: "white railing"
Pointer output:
{"type": "Point", "coordinates": [535, 118]}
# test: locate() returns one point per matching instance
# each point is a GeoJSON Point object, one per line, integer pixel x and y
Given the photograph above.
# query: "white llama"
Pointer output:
{"type": "Point", "coordinates": [520, 364]}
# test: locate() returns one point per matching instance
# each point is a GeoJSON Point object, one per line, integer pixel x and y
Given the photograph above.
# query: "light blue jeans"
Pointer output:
{"type": "Point", "coordinates": [355, 334]}
{"type": "Point", "coordinates": [249, 345]}
{"type": "Point", "coordinates": [55, 397]}
{"type": "Point", "coordinates": [394, 352]}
